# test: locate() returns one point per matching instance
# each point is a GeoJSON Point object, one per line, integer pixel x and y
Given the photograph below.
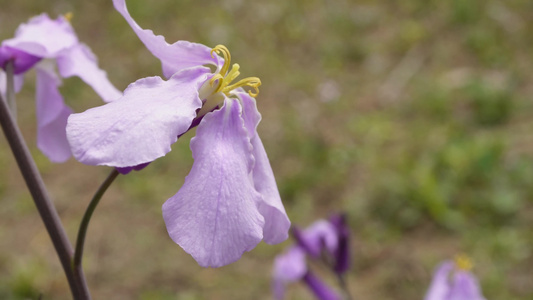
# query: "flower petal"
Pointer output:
{"type": "Point", "coordinates": [288, 267]}
{"type": "Point", "coordinates": [319, 288]}
{"type": "Point", "coordinates": [43, 37]}
{"type": "Point", "coordinates": [277, 222]}
{"type": "Point", "coordinates": [22, 61]}
{"type": "Point", "coordinates": [440, 285]}
{"type": "Point", "coordinates": [80, 61]}
{"type": "Point", "coordinates": [52, 115]}
{"type": "Point", "coordinates": [174, 57]}
{"type": "Point", "coordinates": [141, 125]}
{"type": "Point", "coordinates": [214, 216]}
{"type": "Point", "coordinates": [342, 253]}
{"type": "Point", "coordinates": [317, 237]}
{"type": "Point", "coordinates": [464, 287]}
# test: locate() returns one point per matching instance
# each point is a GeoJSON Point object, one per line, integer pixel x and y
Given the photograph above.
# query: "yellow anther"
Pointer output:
{"type": "Point", "coordinates": [252, 82]}
{"type": "Point", "coordinates": [221, 49]}
{"type": "Point", "coordinates": [463, 262]}
{"type": "Point", "coordinates": [68, 16]}
{"type": "Point", "coordinates": [220, 79]}
{"type": "Point", "coordinates": [225, 78]}
{"type": "Point", "coordinates": [233, 73]}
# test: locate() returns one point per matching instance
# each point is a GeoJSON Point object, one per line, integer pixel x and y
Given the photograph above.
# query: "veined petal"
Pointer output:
{"type": "Point", "coordinates": [440, 284]}
{"type": "Point", "coordinates": [43, 37]}
{"type": "Point", "coordinates": [277, 222]}
{"type": "Point", "coordinates": [141, 125]}
{"type": "Point", "coordinates": [174, 57]}
{"type": "Point", "coordinates": [288, 267]}
{"type": "Point", "coordinates": [80, 61]}
{"type": "Point", "coordinates": [52, 114]}
{"type": "Point", "coordinates": [22, 61]}
{"type": "Point", "coordinates": [464, 287]}
{"type": "Point", "coordinates": [214, 216]}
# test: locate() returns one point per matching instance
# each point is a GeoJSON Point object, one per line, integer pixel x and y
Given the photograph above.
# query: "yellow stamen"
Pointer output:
{"type": "Point", "coordinates": [68, 16]}
{"type": "Point", "coordinates": [225, 78]}
{"type": "Point", "coordinates": [252, 82]}
{"type": "Point", "coordinates": [463, 262]}
{"type": "Point", "coordinates": [220, 79]}
{"type": "Point", "coordinates": [221, 49]}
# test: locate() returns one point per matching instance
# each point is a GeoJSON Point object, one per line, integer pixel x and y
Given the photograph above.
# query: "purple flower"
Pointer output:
{"type": "Point", "coordinates": [454, 281]}
{"type": "Point", "coordinates": [330, 238]}
{"type": "Point", "coordinates": [327, 240]}
{"type": "Point", "coordinates": [229, 201]}
{"type": "Point", "coordinates": [44, 43]}
{"type": "Point", "coordinates": [290, 267]}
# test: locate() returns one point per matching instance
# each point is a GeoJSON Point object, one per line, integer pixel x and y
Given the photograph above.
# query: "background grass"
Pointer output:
{"type": "Point", "coordinates": [414, 117]}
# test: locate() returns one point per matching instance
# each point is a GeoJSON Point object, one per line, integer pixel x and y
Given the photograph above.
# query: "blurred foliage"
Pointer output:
{"type": "Point", "coordinates": [414, 117]}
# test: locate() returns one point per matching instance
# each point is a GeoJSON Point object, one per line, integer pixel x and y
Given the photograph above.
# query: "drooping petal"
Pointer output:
{"type": "Point", "coordinates": [22, 61]}
{"type": "Point", "coordinates": [464, 286]}
{"type": "Point", "coordinates": [288, 267]}
{"type": "Point", "coordinates": [214, 216]}
{"type": "Point", "coordinates": [277, 222]}
{"type": "Point", "coordinates": [141, 125]}
{"type": "Point", "coordinates": [174, 57]}
{"type": "Point", "coordinates": [80, 61]}
{"type": "Point", "coordinates": [321, 290]}
{"type": "Point", "coordinates": [321, 235]}
{"type": "Point", "coordinates": [52, 115]}
{"type": "Point", "coordinates": [127, 170]}
{"type": "Point", "coordinates": [440, 284]}
{"type": "Point", "coordinates": [18, 81]}
{"type": "Point", "coordinates": [342, 253]}
{"type": "Point", "coordinates": [43, 37]}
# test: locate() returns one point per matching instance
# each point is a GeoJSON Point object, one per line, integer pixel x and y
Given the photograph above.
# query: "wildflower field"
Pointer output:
{"type": "Point", "coordinates": [414, 118]}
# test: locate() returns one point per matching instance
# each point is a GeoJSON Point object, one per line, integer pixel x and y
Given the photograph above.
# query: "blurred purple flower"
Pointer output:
{"type": "Point", "coordinates": [229, 201]}
{"type": "Point", "coordinates": [454, 281]}
{"type": "Point", "coordinates": [44, 43]}
{"type": "Point", "coordinates": [327, 240]}
{"type": "Point", "coordinates": [330, 238]}
{"type": "Point", "coordinates": [290, 267]}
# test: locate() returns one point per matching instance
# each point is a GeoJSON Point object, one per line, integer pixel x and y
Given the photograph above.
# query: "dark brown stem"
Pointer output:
{"type": "Point", "coordinates": [47, 211]}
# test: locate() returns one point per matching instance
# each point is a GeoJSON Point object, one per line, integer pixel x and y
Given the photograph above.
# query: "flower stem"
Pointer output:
{"type": "Point", "coordinates": [84, 225]}
{"type": "Point", "coordinates": [42, 201]}
{"type": "Point", "coordinates": [10, 90]}
{"type": "Point", "coordinates": [344, 287]}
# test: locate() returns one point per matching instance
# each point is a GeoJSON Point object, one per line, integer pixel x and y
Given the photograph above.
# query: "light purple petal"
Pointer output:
{"type": "Point", "coordinates": [22, 61]}
{"type": "Point", "coordinates": [464, 287]}
{"type": "Point", "coordinates": [52, 114]}
{"type": "Point", "coordinates": [80, 61]}
{"type": "Point", "coordinates": [288, 267]}
{"type": "Point", "coordinates": [321, 290]}
{"type": "Point", "coordinates": [18, 81]}
{"type": "Point", "coordinates": [214, 216]}
{"type": "Point", "coordinates": [43, 37]}
{"type": "Point", "coordinates": [174, 57]}
{"type": "Point", "coordinates": [277, 222]}
{"type": "Point", "coordinates": [321, 234]}
{"type": "Point", "coordinates": [140, 126]}
{"type": "Point", "coordinates": [440, 285]}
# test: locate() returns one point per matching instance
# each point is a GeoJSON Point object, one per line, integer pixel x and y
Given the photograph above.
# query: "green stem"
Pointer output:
{"type": "Point", "coordinates": [84, 225]}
